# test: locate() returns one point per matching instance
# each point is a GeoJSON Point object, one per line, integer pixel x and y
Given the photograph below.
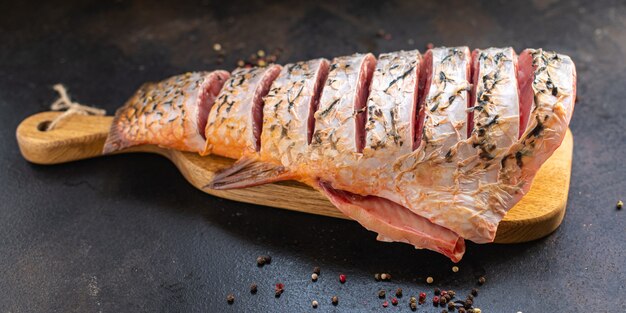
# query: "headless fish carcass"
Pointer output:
{"type": "Point", "coordinates": [427, 149]}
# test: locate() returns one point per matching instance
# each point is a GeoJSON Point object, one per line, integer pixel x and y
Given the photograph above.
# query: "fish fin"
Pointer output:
{"type": "Point", "coordinates": [248, 172]}
{"type": "Point", "coordinates": [116, 140]}
{"type": "Point", "coordinates": [394, 222]}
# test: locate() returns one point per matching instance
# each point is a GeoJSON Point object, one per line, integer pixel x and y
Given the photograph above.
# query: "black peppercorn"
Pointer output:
{"type": "Point", "coordinates": [468, 303]}
{"type": "Point", "coordinates": [451, 306]}
{"type": "Point", "coordinates": [413, 306]}
{"type": "Point", "coordinates": [334, 300]}
{"type": "Point", "coordinates": [260, 261]}
{"type": "Point", "coordinates": [437, 291]}
{"type": "Point", "coordinates": [253, 288]}
{"type": "Point", "coordinates": [461, 310]}
{"type": "Point", "coordinates": [268, 259]}
{"type": "Point", "coordinates": [481, 280]}
{"type": "Point", "coordinates": [470, 297]}
{"type": "Point", "coordinates": [230, 298]}
{"type": "Point", "coordinates": [381, 294]}
{"type": "Point", "coordinates": [474, 292]}
{"type": "Point", "coordinates": [399, 293]}
{"type": "Point", "coordinates": [377, 276]}
{"type": "Point", "coordinates": [442, 301]}
{"type": "Point", "coordinates": [451, 293]}
{"type": "Point", "coordinates": [316, 270]}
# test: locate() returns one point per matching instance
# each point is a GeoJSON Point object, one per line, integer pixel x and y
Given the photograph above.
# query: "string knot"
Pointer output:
{"type": "Point", "coordinates": [65, 103]}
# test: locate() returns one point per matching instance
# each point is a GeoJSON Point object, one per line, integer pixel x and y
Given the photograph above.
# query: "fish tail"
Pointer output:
{"type": "Point", "coordinates": [248, 172]}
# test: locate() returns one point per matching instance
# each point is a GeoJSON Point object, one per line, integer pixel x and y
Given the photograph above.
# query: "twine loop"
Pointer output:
{"type": "Point", "coordinates": [71, 107]}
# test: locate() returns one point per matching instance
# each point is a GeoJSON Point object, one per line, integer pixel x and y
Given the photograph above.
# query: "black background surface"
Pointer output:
{"type": "Point", "coordinates": [128, 234]}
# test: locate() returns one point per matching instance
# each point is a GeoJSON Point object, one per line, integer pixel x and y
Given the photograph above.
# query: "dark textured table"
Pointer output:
{"type": "Point", "coordinates": [128, 234]}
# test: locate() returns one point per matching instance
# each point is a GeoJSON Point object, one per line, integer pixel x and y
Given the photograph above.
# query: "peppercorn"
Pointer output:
{"type": "Point", "coordinates": [422, 296]}
{"type": "Point", "coordinates": [314, 304]}
{"type": "Point", "coordinates": [268, 259]}
{"type": "Point", "coordinates": [451, 306]}
{"type": "Point", "coordinates": [334, 300]}
{"type": "Point", "coordinates": [260, 53]}
{"type": "Point", "coordinates": [399, 293]}
{"type": "Point", "coordinates": [443, 292]}
{"type": "Point", "coordinates": [442, 301]}
{"type": "Point", "coordinates": [217, 47]}
{"type": "Point", "coordinates": [377, 276]}
{"type": "Point", "coordinates": [342, 278]}
{"type": "Point", "coordinates": [429, 280]}
{"type": "Point", "coordinates": [461, 310]}
{"type": "Point", "coordinates": [451, 293]}
{"type": "Point", "coordinates": [620, 204]}
{"type": "Point", "coordinates": [448, 298]}
{"type": "Point", "coordinates": [316, 270]}
{"type": "Point", "coordinates": [455, 269]}
{"type": "Point", "coordinates": [385, 276]}
{"type": "Point", "coordinates": [481, 280]}
{"type": "Point", "coordinates": [253, 288]}
{"type": "Point", "coordinates": [394, 301]}
{"type": "Point", "coordinates": [279, 290]}
{"type": "Point", "coordinates": [470, 297]}
{"type": "Point", "coordinates": [468, 303]}
{"type": "Point", "coordinates": [260, 261]}
{"type": "Point", "coordinates": [385, 304]}
{"type": "Point", "coordinates": [314, 277]}
{"type": "Point", "coordinates": [437, 291]}
{"type": "Point", "coordinates": [477, 310]}
{"type": "Point", "coordinates": [474, 292]}
{"type": "Point", "coordinates": [444, 311]}
{"type": "Point", "coordinates": [261, 63]}
{"type": "Point", "coordinates": [413, 306]}
{"type": "Point", "coordinates": [435, 300]}
{"type": "Point", "coordinates": [241, 63]}
{"type": "Point", "coordinates": [381, 294]}
{"type": "Point", "coordinates": [230, 298]}
{"type": "Point", "coordinates": [412, 299]}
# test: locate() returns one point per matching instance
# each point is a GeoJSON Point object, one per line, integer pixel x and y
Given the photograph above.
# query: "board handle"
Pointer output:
{"type": "Point", "coordinates": [74, 138]}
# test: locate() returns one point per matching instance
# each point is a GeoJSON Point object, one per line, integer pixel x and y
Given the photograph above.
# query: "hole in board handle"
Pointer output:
{"type": "Point", "coordinates": [43, 126]}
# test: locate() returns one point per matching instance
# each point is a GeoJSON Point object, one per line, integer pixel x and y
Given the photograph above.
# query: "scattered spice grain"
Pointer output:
{"type": "Point", "coordinates": [230, 298]}
{"type": "Point", "coordinates": [317, 270]}
{"type": "Point", "coordinates": [342, 278]}
{"type": "Point", "coordinates": [399, 292]}
{"type": "Point", "coordinates": [314, 304]}
{"type": "Point", "coordinates": [436, 300]}
{"type": "Point", "coordinates": [620, 204]}
{"type": "Point", "coordinates": [455, 269]}
{"type": "Point", "coordinates": [381, 294]}
{"type": "Point", "coordinates": [253, 289]}
{"type": "Point", "coordinates": [474, 292]}
{"type": "Point", "coordinates": [334, 300]}
{"type": "Point", "coordinates": [385, 304]}
{"type": "Point", "coordinates": [481, 280]}
{"type": "Point", "coordinates": [429, 280]}
{"type": "Point", "coordinates": [394, 301]}
{"type": "Point", "coordinates": [314, 277]}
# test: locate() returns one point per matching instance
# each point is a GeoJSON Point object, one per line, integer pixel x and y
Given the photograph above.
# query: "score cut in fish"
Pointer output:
{"type": "Point", "coordinates": [429, 150]}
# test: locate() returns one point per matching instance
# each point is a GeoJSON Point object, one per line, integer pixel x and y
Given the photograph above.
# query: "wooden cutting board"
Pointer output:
{"type": "Point", "coordinates": [78, 137]}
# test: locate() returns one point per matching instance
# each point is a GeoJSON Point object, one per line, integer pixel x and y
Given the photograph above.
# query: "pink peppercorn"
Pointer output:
{"type": "Point", "coordinates": [385, 304]}
{"type": "Point", "coordinates": [342, 278]}
{"type": "Point", "coordinates": [394, 301]}
{"type": "Point", "coordinates": [436, 300]}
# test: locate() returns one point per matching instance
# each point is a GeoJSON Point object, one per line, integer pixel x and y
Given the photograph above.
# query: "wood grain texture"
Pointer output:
{"type": "Point", "coordinates": [78, 137]}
